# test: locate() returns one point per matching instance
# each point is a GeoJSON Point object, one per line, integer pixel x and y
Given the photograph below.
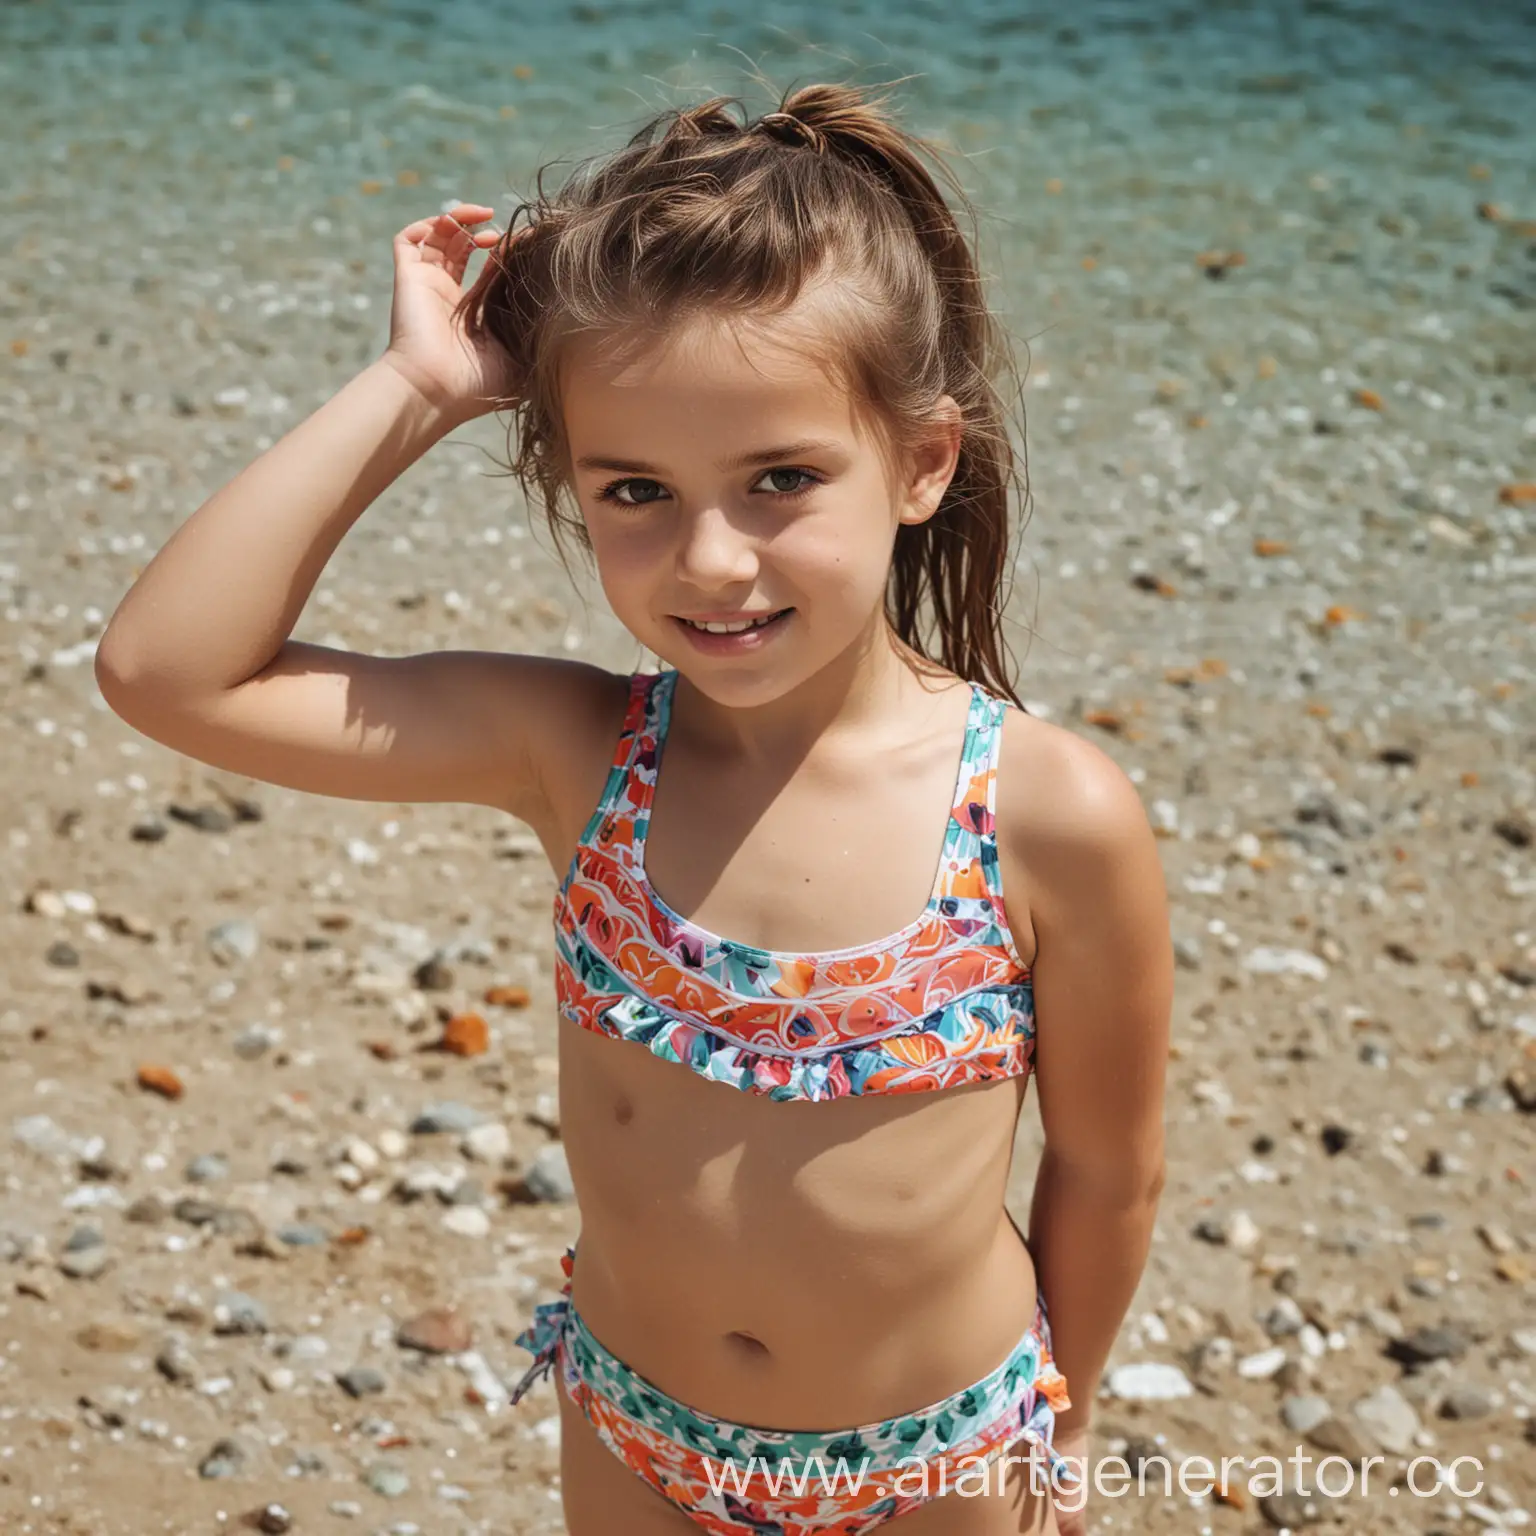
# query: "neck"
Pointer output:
{"type": "Point", "coordinates": [867, 684]}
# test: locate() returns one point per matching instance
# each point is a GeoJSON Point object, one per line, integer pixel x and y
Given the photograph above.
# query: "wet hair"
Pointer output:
{"type": "Point", "coordinates": [706, 213]}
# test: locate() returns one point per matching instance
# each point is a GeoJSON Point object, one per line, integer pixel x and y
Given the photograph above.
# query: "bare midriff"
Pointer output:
{"type": "Point", "coordinates": [792, 1265]}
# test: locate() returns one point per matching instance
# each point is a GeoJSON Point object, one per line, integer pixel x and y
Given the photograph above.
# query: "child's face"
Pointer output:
{"type": "Point", "coordinates": [725, 477]}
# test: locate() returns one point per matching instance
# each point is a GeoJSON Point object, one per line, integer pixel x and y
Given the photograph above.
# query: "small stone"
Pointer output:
{"type": "Point", "coordinates": [488, 1143]}
{"type": "Point", "coordinates": [1289, 1511]}
{"type": "Point", "coordinates": [1302, 1414]}
{"type": "Point", "coordinates": [108, 1338]}
{"type": "Point", "coordinates": [387, 1481]}
{"type": "Point", "coordinates": [174, 1361]}
{"type": "Point", "coordinates": [549, 1175]}
{"type": "Point", "coordinates": [1148, 1381]}
{"type": "Point", "coordinates": [85, 1263]}
{"type": "Point", "coordinates": [1335, 1138]}
{"type": "Point", "coordinates": [83, 1237]}
{"type": "Point", "coordinates": [1523, 1342]}
{"type": "Point", "coordinates": [236, 1313]}
{"type": "Point", "coordinates": [278, 1378]}
{"type": "Point", "coordinates": [1467, 1402]}
{"type": "Point", "coordinates": [270, 1520]}
{"type": "Point", "coordinates": [392, 1144]}
{"type": "Point", "coordinates": [209, 1168]}
{"type": "Point", "coordinates": [361, 1155]}
{"type": "Point", "coordinates": [1188, 953]}
{"type": "Point", "coordinates": [1283, 1319]}
{"type": "Point", "coordinates": [302, 1234]}
{"type": "Point", "coordinates": [1388, 1418]}
{"type": "Point", "coordinates": [147, 1210]}
{"type": "Point", "coordinates": [1425, 1344]}
{"type": "Point", "coordinates": [449, 1117]}
{"type": "Point", "coordinates": [1267, 961]}
{"type": "Point", "coordinates": [160, 1079]}
{"type": "Point", "coordinates": [226, 1459]}
{"type": "Point", "coordinates": [1334, 1437]}
{"type": "Point", "coordinates": [466, 1034]}
{"type": "Point", "coordinates": [439, 1331]}
{"type": "Point", "coordinates": [467, 1221]}
{"type": "Point", "coordinates": [255, 1041]}
{"type": "Point", "coordinates": [433, 975]}
{"type": "Point", "coordinates": [234, 941]}
{"type": "Point", "coordinates": [362, 1381]}
{"type": "Point", "coordinates": [1263, 1365]}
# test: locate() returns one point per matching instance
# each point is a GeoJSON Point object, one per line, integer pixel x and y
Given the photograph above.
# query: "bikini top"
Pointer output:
{"type": "Point", "coordinates": [944, 1001]}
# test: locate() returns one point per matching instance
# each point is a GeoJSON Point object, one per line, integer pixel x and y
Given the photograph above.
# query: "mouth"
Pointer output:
{"type": "Point", "coordinates": [733, 626]}
{"type": "Point", "coordinates": [728, 636]}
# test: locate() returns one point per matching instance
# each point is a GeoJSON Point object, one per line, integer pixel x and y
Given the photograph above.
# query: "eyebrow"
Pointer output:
{"type": "Point", "coordinates": [741, 461]}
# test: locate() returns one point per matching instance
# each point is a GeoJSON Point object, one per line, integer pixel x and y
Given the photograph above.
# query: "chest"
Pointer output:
{"type": "Point", "coordinates": [834, 856]}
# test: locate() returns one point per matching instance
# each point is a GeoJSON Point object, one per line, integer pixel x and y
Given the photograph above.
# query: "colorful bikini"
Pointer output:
{"type": "Point", "coordinates": [946, 1000]}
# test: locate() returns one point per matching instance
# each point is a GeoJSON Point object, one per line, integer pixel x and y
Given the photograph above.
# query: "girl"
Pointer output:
{"type": "Point", "coordinates": [749, 366]}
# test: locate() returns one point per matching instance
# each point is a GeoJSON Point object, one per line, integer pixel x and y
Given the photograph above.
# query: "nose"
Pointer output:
{"type": "Point", "coordinates": [713, 554]}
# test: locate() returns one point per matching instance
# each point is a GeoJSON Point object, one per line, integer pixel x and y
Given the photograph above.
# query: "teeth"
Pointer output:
{"type": "Point", "coordinates": [731, 629]}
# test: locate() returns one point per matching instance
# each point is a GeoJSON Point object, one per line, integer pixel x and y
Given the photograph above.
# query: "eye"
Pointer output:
{"type": "Point", "coordinates": [647, 492]}
{"type": "Point", "coordinates": [780, 489]}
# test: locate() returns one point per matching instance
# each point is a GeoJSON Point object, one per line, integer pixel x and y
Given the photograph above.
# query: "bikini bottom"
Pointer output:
{"type": "Point", "coordinates": [730, 1478]}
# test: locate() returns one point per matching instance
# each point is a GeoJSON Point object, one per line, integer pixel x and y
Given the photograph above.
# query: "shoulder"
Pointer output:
{"type": "Point", "coordinates": [568, 714]}
{"type": "Point", "coordinates": [1071, 828]}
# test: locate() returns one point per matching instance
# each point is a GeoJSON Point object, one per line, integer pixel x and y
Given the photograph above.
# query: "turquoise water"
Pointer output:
{"type": "Point", "coordinates": [1136, 104]}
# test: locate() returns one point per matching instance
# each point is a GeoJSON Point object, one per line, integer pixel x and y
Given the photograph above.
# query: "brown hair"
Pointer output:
{"type": "Point", "coordinates": [705, 213]}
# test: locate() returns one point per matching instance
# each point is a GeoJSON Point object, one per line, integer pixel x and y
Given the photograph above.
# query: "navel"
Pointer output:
{"type": "Point", "coordinates": [623, 1110]}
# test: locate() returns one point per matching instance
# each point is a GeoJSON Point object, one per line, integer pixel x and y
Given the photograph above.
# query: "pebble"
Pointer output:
{"type": "Point", "coordinates": [438, 1331]}
{"type": "Point", "coordinates": [1266, 961]}
{"type": "Point", "coordinates": [362, 1381]}
{"type": "Point", "coordinates": [387, 1481]}
{"type": "Point", "coordinates": [1148, 1381]}
{"type": "Point", "coordinates": [393, 1144]}
{"type": "Point", "coordinates": [1445, 1342]}
{"type": "Point", "coordinates": [270, 1520]}
{"type": "Point", "coordinates": [450, 1118]}
{"type": "Point", "coordinates": [302, 1234]}
{"type": "Point", "coordinates": [1388, 1418]}
{"type": "Point", "coordinates": [467, 1221]}
{"type": "Point", "coordinates": [1263, 1365]}
{"type": "Point", "coordinates": [226, 1459]}
{"type": "Point", "coordinates": [207, 1169]}
{"type": "Point", "coordinates": [1302, 1414]}
{"type": "Point", "coordinates": [549, 1175]}
{"type": "Point", "coordinates": [1283, 1319]}
{"type": "Point", "coordinates": [488, 1143]}
{"type": "Point", "coordinates": [1523, 1342]}
{"type": "Point", "coordinates": [1467, 1402]}
{"type": "Point", "coordinates": [85, 1263]}
{"type": "Point", "coordinates": [278, 1378]}
{"type": "Point", "coordinates": [253, 1042]}
{"type": "Point", "coordinates": [484, 1383]}
{"type": "Point", "coordinates": [233, 941]}
{"type": "Point", "coordinates": [175, 1362]}
{"type": "Point", "coordinates": [236, 1313]}
{"type": "Point", "coordinates": [1289, 1511]}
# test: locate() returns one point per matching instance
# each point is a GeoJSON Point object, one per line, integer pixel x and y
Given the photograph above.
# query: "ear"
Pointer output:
{"type": "Point", "coordinates": [931, 465]}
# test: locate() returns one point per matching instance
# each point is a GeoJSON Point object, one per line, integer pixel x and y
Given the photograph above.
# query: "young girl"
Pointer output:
{"type": "Point", "coordinates": [827, 899]}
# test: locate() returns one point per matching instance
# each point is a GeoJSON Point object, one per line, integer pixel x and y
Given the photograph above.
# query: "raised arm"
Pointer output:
{"type": "Point", "coordinates": [198, 654]}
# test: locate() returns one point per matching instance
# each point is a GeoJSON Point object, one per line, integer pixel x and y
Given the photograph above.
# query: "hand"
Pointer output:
{"type": "Point", "coordinates": [427, 343]}
{"type": "Point", "coordinates": [1073, 1519]}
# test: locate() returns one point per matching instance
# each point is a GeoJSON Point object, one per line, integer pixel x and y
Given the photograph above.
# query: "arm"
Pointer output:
{"type": "Point", "coordinates": [1103, 978]}
{"type": "Point", "coordinates": [198, 654]}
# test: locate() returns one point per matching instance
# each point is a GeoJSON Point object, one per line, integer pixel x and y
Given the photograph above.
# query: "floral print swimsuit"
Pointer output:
{"type": "Point", "coordinates": [945, 1001]}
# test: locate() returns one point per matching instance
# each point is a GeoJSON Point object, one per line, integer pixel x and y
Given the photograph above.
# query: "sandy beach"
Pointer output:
{"type": "Point", "coordinates": [279, 1126]}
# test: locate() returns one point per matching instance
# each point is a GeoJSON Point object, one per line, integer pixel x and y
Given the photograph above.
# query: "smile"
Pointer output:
{"type": "Point", "coordinates": [732, 626]}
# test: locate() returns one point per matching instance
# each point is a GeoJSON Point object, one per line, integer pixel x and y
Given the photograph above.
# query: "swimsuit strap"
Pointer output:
{"type": "Point", "coordinates": [970, 844]}
{"type": "Point", "coordinates": [629, 787]}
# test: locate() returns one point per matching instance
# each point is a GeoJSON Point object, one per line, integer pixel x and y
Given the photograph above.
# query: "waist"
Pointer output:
{"type": "Point", "coordinates": [825, 1353]}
